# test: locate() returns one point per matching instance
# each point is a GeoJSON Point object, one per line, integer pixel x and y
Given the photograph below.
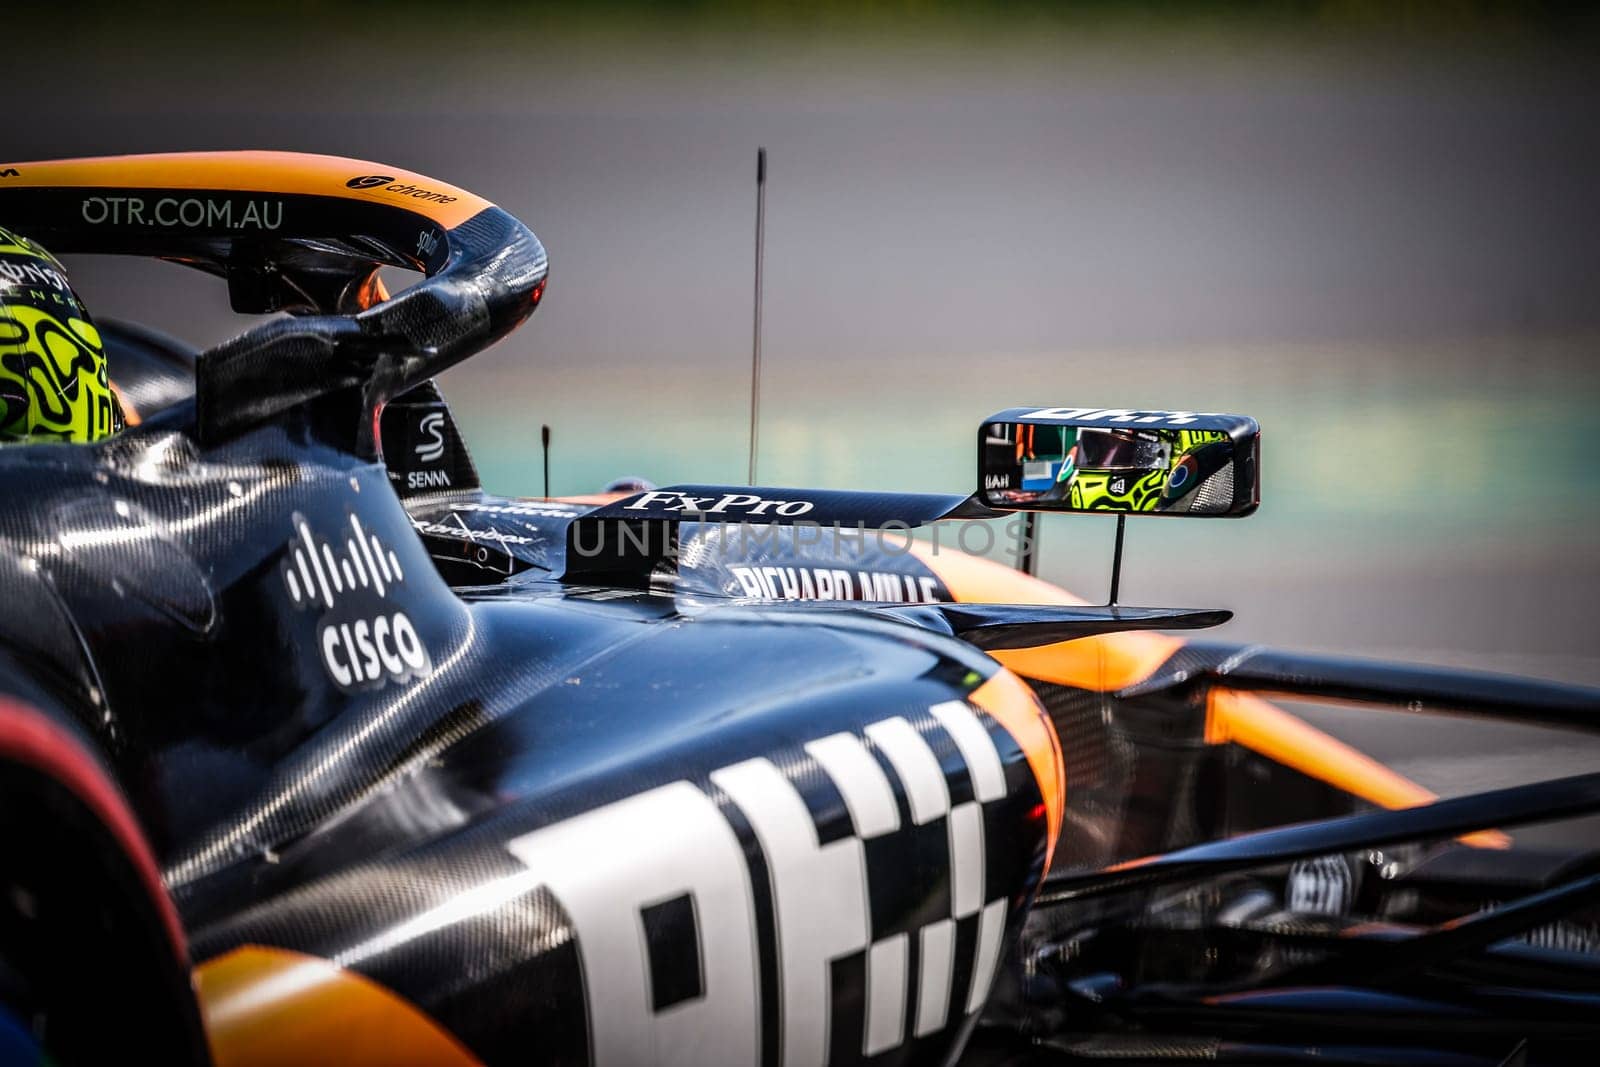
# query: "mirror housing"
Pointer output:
{"type": "Point", "coordinates": [1114, 461]}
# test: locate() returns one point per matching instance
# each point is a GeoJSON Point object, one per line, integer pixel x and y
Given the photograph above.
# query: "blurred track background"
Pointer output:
{"type": "Point", "coordinates": [1372, 226]}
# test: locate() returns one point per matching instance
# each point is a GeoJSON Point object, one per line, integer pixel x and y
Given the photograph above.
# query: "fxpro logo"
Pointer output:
{"type": "Point", "coordinates": [669, 500]}
{"type": "Point", "coordinates": [364, 640]}
{"type": "Point", "coordinates": [387, 183]}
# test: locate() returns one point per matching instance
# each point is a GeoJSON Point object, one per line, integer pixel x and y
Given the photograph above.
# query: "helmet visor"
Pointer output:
{"type": "Point", "coordinates": [1120, 450]}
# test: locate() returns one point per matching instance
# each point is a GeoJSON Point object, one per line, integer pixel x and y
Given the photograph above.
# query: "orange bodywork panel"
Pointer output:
{"type": "Point", "coordinates": [1101, 664]}
{"type": "Point", "coordinates": [1246, 719]}
{"type": "Point", "coordinates": [261, 172]}
{"type": "Point", "coordinates": [1015, 707]}
{"type": "Point", "coordinates": [269, 1006]}
{"type": "Point", "coordinates": [1116, 661]}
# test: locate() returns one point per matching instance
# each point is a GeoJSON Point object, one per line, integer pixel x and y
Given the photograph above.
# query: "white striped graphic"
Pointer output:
{"type": "Point", "coordinates": [866, 791]}
{"type": "Point", "coordinates": [822, 896]}
{"type": "Point", "coordinates": [886, 995]}
{"type": "Point", "coordinates": [361, 540]}
{"type": "Point", "coordinates": [316, 564]}
{"type": "Point", "coordinates": [819, 901]}
{"type": "Point", "coordinates": [977, 748]}
{"type": "Point", "coordinates": [354, 555]}
{"type": "Point", "coordinates": [937, 952]}
{"type": "Point", "coordinates": [966, 860]}
{"type": "Point", "coordinates": [918, 768]}
{"type": "Point", "coordinates": [991, 924]}
{"type": "Point", "coordinates": [323, 572]}
{"type": "Point", "coordinates": [333, 569]}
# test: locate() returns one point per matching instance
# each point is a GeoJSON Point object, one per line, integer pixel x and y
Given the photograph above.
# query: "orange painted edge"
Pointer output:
{"type": "Point", "coordinates": [1101, 664]}
{"type": "Point", "coordinates": [975, 580]}
{"type": "Point", "coordinates": [1246, 719]}
{"type": "Point", "coordinates": [252, 172]}
{"type": "Point", "coordinates": [265, 1005]}
{"type": "Point", "coordinates": [1115, 661]}
{"type": "Point", "coordinates": [1014, 706]}
{"type": "Point", "coordinates": [129, 414]}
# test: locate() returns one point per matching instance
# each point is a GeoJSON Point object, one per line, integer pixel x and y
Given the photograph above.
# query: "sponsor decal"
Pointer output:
{"type": "Point", "coordinates": [427, 243]}
{"type": "Point", "coordinates": [1003, 481]}
{"type": "Point", "coordinates": [463, 532]}
{"type": "Point", "coordinates": [1182, 472]}
{"type": "Point", "coordinates": [1117, 415]}
{"type": "Point", "coordinates": [363, 638]}
{"type": "Point", "coordinates": [526, 509]}
{"type": "Point", "coordinates": [835, 583]}
{"type": "Point", "coordinates": [387, 183]}
{"type": "Point", "coordinates": [431, 430]}
{"type": "Point", "coordinates": [427, 479]}
{"type": "Point", "coordinates": [666, 914]}
{"type": "Point", "coordinates": [193, 212]}
{"type": "Point", "coordinates": [736, 504]}
{"type": "Point", "coordinates": [1119, 485]}
{"type": "Point", "coordinates": [33, 272]}
{"type": "Point", "coordinates": [10, 172]}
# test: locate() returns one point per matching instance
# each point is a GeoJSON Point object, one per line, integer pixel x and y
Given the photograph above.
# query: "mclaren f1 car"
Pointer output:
{"type": "Point", "coordinates": [312, 750]}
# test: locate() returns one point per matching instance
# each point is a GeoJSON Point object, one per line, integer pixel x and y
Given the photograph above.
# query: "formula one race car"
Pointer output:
{"type": "Point", "coordinates": [313, 751]}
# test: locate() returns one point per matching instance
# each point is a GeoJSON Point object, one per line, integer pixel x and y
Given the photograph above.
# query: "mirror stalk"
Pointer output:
{"type": "Point", "coordinates": [1116, 561]}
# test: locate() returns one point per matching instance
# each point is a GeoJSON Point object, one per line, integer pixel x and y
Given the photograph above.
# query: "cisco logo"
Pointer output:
{"type": "Point", "coordinates": [363, 639]}
{"type": "Point", "coordinates": [369, 181]}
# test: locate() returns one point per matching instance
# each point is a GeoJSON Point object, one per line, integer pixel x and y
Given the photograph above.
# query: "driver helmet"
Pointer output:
{"type": "Point", "coordinates": [1118, 469]}
{"type": "Point", "coordinates": [53, 381]}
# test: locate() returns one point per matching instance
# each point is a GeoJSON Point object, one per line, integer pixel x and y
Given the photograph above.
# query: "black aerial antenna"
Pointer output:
{"type": "Point", "coordinates": [755, 337]}
{"type": "Point", "coordinates": [544, 435]}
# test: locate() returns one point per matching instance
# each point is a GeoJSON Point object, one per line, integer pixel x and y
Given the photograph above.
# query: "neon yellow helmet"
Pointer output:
{"type": "Point", "coordinates": [1129, 469]}
{"type": "Point", "coordinates": [53, 381]}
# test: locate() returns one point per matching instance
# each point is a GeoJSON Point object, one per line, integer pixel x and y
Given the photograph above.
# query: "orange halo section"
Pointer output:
{"type": "Point", "coordinates": [254, 172]}
{"type": "Point", "coordinates": [1014, 706]}
{"type": "Point", "coordinates": [270, 1006]}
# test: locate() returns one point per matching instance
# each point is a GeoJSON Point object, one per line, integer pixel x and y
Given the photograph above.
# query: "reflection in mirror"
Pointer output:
{"type": "Point", "coordinates": [1090, 460]}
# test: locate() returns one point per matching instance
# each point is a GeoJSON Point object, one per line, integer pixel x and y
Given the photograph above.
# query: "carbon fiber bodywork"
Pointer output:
{"type": "Point", "coordinates": [702, 774]}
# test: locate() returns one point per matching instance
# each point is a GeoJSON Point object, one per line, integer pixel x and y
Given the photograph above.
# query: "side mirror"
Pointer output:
{"type": "Point", "coordinates": [1119, 462]}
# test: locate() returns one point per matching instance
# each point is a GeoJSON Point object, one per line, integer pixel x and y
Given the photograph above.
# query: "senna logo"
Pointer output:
{"type": "Point", "coordinates": [369, 181]}
{"type": "Point", "coordinates": [10, 172]}
{"type": "Point", "coordinates": [432, 446]}
{"type": "Point", "coordinates": [363, 640]}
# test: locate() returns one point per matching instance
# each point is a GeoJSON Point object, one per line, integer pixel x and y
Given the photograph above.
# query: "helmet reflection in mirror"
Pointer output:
{"type": "Point", "coordinates": [54, 384]}
{"type": "Point", "coordinates": [1152, 463]}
